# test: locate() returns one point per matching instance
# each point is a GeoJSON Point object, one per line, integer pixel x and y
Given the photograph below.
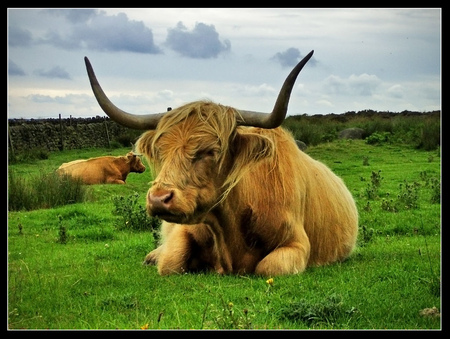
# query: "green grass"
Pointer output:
{"type": "Point", "coordinates": [95, 278]}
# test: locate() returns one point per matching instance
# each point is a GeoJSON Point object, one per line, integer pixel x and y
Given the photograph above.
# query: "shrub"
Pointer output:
{"type": "Point", "coordinates": [378, 138]}
{"type": "Point", "coordinates": [45, 190]}
{"type": "Point", "coordinates": [133, 216]}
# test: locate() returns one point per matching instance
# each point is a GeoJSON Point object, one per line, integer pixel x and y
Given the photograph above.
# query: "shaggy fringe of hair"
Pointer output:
{"type": "Point", "coordinates": [219, 120]}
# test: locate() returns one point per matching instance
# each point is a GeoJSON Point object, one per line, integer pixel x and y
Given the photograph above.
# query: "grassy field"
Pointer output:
{"type": "Point", "coordinates": [72, 268]}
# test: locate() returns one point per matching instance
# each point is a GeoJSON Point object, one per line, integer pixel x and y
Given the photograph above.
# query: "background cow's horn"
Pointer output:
{"type": "Point", "coordinates": [274, 119]}
{"type": "Point", "coordinates": [142, 122]}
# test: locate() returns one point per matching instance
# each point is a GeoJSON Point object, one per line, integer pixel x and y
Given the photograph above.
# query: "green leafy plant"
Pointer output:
{"type": "Point", "coordinates": [374, 185]}
{"type": "Point", "coordinates": [378, 138]}
{"type": "Point", "coordinates": [409, 195]}
{"type": "Point", "coordinates": [434, 184]}
{"type": "Point", "coordinates": [133, 216]}
{"type": "Point", "coordinates": [365, 235]}
{"type": "Point", "coordinates": [227, 317]}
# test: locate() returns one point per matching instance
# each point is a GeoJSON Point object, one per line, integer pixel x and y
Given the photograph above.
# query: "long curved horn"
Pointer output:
{"type": "Point", "coordinates": [142, 122]}
{"type": "Point", "coordinates": [274, 119]}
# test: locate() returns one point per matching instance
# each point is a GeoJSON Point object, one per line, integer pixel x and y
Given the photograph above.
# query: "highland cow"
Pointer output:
{"type": "Point", "coordinates": [235, 192]}
{"type": "Point", "coordinates": [103, 170]}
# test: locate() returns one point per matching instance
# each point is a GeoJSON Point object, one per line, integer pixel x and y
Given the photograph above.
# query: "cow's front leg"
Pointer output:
{"type": "Point", "coordinates": [152, 257]}
{"type": "Point", "coordinates": [116, 181]}
{"type": "Point", "coordinates": [291, 258]}
{"type": "Point", "coordinates": [186, 248]}
{"type": "Point", "coordinates": [173, 255]}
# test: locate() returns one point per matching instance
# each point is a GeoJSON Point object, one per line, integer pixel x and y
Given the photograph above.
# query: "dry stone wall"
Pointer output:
{"type": "Point", "coordinates": [58, 134]}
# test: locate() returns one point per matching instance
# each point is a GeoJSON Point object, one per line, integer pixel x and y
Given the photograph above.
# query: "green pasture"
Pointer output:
{"type": "Point", "coordinates": [72, 267]}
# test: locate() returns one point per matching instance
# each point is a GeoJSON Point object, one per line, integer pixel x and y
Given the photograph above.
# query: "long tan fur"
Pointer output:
{"type": "Point", "coordinates": [244, 200]}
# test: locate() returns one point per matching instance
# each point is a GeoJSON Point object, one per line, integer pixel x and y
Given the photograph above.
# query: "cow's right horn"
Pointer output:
{"type": "Point", "coordinates": [141, 122]}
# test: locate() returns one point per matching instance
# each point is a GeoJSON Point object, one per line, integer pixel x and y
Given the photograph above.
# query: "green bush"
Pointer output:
{"type": "Point", "coordinates": [133, 216]}
{"type": "Point", "coordinates": [378, 138]}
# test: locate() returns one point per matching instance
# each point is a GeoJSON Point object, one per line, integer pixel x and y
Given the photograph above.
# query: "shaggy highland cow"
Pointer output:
{"type": "Point", "coordinates": [235, 192]}
{"type": "Point", "coordinates": [103, 170]}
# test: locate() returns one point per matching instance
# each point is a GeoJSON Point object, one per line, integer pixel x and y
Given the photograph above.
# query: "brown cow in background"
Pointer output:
{"type": "Point", "coordinates": [103, 170]}
{"type": "Point", "coordinates": [236, 193]}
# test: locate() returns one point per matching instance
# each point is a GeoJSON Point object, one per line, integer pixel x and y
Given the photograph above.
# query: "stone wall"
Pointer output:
{"type": "Point", "coordinates": [58, 134]}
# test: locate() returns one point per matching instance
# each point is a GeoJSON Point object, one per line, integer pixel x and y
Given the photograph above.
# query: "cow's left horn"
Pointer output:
{"type": "Point", "coordinates": [142, 122]}
{"type": "Point", "coordinates": [274, 119]}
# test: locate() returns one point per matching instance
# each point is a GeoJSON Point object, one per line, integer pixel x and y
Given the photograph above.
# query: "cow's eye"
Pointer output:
{"type": "Point", "coordinates": [209, 153]}
{"type": "Point", "coordinates": [203, 154]}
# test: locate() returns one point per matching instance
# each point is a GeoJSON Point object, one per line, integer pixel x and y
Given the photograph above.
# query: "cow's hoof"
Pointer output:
{"type": "Point", "coordinates": [150, 259]}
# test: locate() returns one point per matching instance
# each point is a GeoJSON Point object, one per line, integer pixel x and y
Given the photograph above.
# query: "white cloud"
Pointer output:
{"type": "Point", "coordinates": [363, 84]}
{"type": "Point", "coordinates": [54, 72]}
{"type": "Point", "coordinates": [250, 90]}
{"type": "Point", "coordinates": [396, 91]}
{"type": "Point", "coordinates": [201, 42]}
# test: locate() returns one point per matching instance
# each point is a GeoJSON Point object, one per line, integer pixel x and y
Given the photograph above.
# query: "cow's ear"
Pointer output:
{"type": "Point", "coordinates": [248, 149]}
{"type": "Point", "coordinates": [251, 147]}
{"type": "Point", "coordinates": [130, 156]}
{"type": "Point", "coordinates": [144, 144]}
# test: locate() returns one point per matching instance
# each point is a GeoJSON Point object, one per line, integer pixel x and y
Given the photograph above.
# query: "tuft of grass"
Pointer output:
{"type": "Point", "coordinates": [62, 239]}
{"type": "Point", "coordinates": [28, 156]}
{"type": "Point", "coordinates": [316, 312]}
{"type": "Point", "coordinates": [44, 190]}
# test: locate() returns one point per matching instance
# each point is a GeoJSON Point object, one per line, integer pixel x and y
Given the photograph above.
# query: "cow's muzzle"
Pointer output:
{"type": "Point", "coordinates": [160, 204]}
{"type": "Point", "coordinates": [160, 201]}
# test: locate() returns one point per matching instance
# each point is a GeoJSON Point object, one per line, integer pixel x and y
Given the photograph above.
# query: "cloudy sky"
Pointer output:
{"type": "Point", "coordinates": [149, 59]}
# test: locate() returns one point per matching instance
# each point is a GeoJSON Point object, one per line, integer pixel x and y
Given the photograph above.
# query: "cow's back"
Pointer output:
{"type": "Point", "coordinates": [69, 164]}
{"type": "Point", "coordinates": [90, 171]}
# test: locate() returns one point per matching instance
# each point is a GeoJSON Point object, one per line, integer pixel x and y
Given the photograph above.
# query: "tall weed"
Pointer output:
{"type": "Point", "coordinates": [45, 190]}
